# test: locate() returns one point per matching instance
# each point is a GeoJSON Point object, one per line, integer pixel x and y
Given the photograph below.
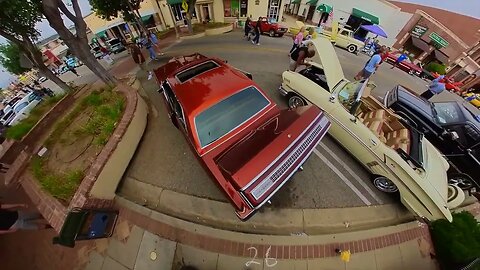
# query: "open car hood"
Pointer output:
{"type": "Point", "coordinates": [325, 53]}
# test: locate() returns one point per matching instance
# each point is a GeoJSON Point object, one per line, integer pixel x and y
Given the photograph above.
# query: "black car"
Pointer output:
{"type": "Point", "coordinates": [449, 126]}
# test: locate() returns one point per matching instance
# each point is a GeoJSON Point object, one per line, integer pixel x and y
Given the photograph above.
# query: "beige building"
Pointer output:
{"type": "Point", "coordinates": [353, 14]}
{"type": "Point", "coordinates": [164, 14]}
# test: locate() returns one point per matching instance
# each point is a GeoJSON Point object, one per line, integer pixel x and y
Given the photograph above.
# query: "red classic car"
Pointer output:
{"type": "Point", "coordinates": [272, 28]}
{"type": "Point", "coordinates": [405, 65]}
{"type": "Point", "coordinates": [250, 147]}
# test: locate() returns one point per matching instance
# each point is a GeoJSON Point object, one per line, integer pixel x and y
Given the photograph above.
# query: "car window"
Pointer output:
{"type": "Point", "coordinates": [31, 97]}
{"type": "Point", "coordinates": [345, 33]}
{"type": "Point", "coordinates": [223, 117]}
{"type": "Point", "coordinates": [173, 102]}
{"type": "Point", "coordinates": [471, 134]}
{"type": "Point", "coordinates": [20, 106]}
{"type": "Point", "coordinates": [348, 94]}
{"type": "Point", "coordinates": [447, 113]}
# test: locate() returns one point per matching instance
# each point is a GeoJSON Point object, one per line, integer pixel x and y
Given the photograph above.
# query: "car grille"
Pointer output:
{"type": "Point", "coordinates": [270, 180]}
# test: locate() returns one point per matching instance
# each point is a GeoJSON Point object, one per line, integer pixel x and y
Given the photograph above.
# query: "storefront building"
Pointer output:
{"type": "Point", "coordinates": [118, 28]}
{"type": "Point", "coordinates": [466, 69]}
{"type": "Point", "coordinates": [427, 40]}
{"type": "Point", "coordinates": [353, 14]}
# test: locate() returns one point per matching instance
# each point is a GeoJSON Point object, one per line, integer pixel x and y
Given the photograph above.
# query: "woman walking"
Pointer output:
{"type": "Point", "coordinates": [137, 54]}
{"type": "Point", "coordinates": [298, 39]}
{"type": "Point", "coordinates": [248, 26]}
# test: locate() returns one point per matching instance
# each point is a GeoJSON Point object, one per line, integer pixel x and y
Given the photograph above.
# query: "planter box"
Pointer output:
{"type": "Point", "coordinates": [97, 188]}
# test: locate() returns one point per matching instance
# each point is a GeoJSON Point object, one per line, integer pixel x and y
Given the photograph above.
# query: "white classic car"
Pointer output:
{"type": "Point", "coordinates": [399, 158]}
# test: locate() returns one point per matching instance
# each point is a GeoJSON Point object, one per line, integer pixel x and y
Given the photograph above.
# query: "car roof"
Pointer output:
{"type": "Point", "coordinates": [413, 101]}
{"type": "Point", "coordinates": [201, 91]}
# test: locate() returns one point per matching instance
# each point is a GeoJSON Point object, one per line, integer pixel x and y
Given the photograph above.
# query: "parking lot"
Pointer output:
{"type": "Point", "coordinates": [331, 176]}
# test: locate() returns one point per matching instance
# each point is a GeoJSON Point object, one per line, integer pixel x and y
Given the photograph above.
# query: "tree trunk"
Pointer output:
{"type": "Point", "coordinates": [49, 74]}
{"type": "Point", "coordinates": [78, 43]}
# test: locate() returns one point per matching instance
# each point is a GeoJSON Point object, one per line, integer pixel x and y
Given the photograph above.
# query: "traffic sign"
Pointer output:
{"type": "Point", "coordinates": [185, 5]}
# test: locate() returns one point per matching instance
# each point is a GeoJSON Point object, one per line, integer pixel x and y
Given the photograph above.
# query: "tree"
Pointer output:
{"type": "Point", "coordinates": [17, 24]}
{"type": "Point", "coordinates": [128, 9]}
{"type": "Point", "coordinates": [10, 58]}
{"type": "Point", "coordinates": [77, 43]}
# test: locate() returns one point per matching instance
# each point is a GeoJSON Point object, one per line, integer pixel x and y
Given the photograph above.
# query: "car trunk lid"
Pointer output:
{"type": "Point", "coordinates": [268, 156]}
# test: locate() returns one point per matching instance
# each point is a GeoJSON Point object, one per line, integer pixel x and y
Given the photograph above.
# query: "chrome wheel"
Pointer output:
{"type": "Point", "coordinates": [384, 184]}
{"type": "Point", "coordinates": [272, 33]}
{"type": "Point", "coordinates": [295, 102]}
{"type": "Point", "coordinates": [460, 181]}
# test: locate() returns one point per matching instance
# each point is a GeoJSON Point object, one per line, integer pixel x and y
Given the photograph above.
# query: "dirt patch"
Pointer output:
{"type": "Point", "coordinates": [76, 141]}
{"type": "Point", "coordinates": [74, 151]}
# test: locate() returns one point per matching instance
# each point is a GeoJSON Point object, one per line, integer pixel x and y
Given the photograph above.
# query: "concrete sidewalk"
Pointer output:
{"type": "Point", "coordinates": [146, 239]}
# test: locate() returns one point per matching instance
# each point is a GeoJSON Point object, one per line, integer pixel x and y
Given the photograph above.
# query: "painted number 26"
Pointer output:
{"type": "Point", "coordinates": [269, 262]}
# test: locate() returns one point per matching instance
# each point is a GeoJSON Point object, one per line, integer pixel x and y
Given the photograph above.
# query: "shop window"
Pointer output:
{"type": "Point", "coordinates": [231, 8]}
{"type": "Point", "coordinates": [243, 8]}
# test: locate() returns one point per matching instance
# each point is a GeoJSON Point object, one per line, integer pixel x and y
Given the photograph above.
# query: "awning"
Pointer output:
{"type": "Point", "coordinates": [146, 18]}
{"type": "Point", "coordinates": [375, 29]}
{"type": "Point", "coordinates": [312, 2]}
{"type": "Point", "coordinates": [442, 57]}
{"type": "Point", "coordinates": [174, 2]}
{"type": "Point", "coordinates": [296, 1]}
{"type": "Point", "coordinates": [366, 16]}
{"type": "Point", "coordinates": [324, 8]}
{"type": "Point", "coordinates": [420, 43]}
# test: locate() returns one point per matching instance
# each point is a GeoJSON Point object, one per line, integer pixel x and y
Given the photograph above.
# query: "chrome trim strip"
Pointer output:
{"type": "Point", "coordinates": [281, 154]}
{"type": "Point", "coordinates": [320, 127]}
{"type": "Point", "coordinates": [308, 154]}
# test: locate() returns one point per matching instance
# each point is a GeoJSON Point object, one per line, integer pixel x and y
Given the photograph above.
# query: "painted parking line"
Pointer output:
{"type": "Point", "coordinates": [342, 176]}
{"type": "Point", "coordinates": [352, 173]}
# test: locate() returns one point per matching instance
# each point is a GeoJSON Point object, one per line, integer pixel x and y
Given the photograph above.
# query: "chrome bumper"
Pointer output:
{"type": "Point", "coordinates": [282, 91]}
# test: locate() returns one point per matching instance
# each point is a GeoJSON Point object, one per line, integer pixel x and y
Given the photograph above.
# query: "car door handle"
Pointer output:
{"type": "Point", "coordinates": [373, 142]}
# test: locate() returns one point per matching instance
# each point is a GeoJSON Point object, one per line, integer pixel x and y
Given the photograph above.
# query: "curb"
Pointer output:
{"type": "Point", "coordinates": [268, 246]}
{"type": "Point", "coordinates": [269, 221]}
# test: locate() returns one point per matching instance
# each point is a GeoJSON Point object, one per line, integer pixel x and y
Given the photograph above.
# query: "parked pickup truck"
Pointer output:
{"type": "Point", "coordinates": [272, 28]}
{"type": "Point", "coordinates": [342, 38]}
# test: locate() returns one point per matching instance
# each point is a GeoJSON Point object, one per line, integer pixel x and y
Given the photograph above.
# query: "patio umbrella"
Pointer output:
{"type": "Point", "coordinates": [375, 29]}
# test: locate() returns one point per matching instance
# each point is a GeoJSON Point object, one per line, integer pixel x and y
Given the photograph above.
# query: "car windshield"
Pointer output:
{"type": "Point", "coordinates": [447, 112]}
{"type": "Point", "coordinates": [114, 42]}
{"type": "Point", "coordinates": [349, 93]}
{"type": "Point", "coordinates": [226, 115]}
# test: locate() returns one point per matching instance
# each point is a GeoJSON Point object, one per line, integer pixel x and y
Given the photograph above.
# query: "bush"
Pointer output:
{"type": "Point", "coordinates": [436, 67]}
{"type": "Point", "coordinates": [459, 241]}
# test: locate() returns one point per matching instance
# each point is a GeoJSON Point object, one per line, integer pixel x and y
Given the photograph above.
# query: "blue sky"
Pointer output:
{"type": "Point", "coordinates": [466, 7]}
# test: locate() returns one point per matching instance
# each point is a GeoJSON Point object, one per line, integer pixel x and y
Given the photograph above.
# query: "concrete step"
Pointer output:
{"type": "Point", "coordinates": [268, 220]}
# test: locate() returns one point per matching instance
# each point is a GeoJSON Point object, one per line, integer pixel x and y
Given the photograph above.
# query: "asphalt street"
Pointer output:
{"type": "Point", "coordinates": [331, 176]}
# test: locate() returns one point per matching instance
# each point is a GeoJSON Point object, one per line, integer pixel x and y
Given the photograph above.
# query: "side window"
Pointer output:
{"type": "Point", "coordinates": [471, 134]}
{"type": "Point", "coordinates": [345, 33]}
{"type": "Point", "coordinates": [173, 103]}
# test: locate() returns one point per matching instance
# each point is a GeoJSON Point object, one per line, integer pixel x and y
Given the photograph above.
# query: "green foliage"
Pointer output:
{"type": "Point", "coordinates": [61, 185]}
{"type": "Point", "coordinates": [459, 241]}
{"type": "Point", "coordinates": [18, 18]}
{"type": "Point", "coordinates": [23, 127]}
{"type": "Point", "coordinates": [107, 108]}
{"type": "Point", "coordinates": [10, 58]}
{"type": "Point", "coordinates": [436, 67]}
{"type": "Point", "coordinates": [108, 9]}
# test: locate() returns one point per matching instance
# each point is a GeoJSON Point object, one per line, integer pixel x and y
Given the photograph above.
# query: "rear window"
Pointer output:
{"type": "Point", "coordinates": [228, 114]}
{"type": "Point", "coordinates": [195, 71]}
